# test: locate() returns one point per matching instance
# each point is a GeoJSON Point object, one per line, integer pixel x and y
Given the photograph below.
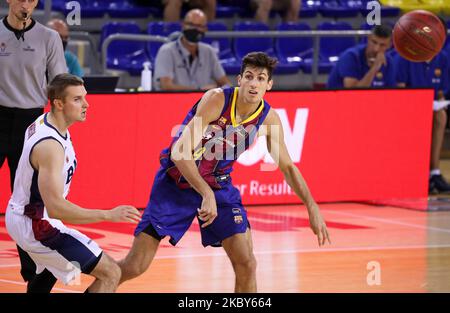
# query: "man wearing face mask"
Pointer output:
{"type": "Point", "coordinates": [187, 63]}
{"type": "Point", "coordinates": [31, 55]}
{"type": "Point", "coordinates": [73, 66]}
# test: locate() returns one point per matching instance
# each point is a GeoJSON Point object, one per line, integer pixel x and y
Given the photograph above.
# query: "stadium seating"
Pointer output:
{"type": "Point", "coordinates": [223, 45]}
{"type": "Point", "coordinates": [294, 51]}
{"type": "Point", "coordinates": [242, 46]}
{"type": "Point", "coordinates": [160, 29]}
{"type": "Point", "coordinates": [330, 47]}
{"type": "Point", "coordinates": [386, 11]}
{"type": "Point", "coordinates": [337, 9]}
{"type": "Point", "coordinates": [125, 9]}
{"type": "Point", "coordinates": [121, 54]}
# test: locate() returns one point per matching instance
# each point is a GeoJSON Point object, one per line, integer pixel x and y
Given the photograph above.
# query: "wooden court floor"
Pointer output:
{"type": "Point", "coordinates": [374, 249]}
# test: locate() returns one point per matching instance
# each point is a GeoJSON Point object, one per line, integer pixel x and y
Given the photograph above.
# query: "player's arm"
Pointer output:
{"type": "Point", "coordinates": [278, 150]}
{"type": "Point", "coordinates": [366, 81]}
{"type": "Point", "coordinates": [47, 158]}
{"type": "Point", "coordinates": [208, 110]}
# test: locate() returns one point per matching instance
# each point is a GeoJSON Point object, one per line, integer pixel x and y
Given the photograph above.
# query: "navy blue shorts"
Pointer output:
{"type": "Point", "coordinates": [171, 210]}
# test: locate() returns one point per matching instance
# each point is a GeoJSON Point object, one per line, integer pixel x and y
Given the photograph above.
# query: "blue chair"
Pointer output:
{"type": "Point", "coordinates": [242, 46]}
{"type": "Point", "coordinates": [228, 8]}
{"type": "Point", "coordinates": [123, 54]}
{"type": "Point", "coordinates": [330, 47]}
{"type": "Point", "coordinates": [125, 9]}
{"type": "Point", "coordinates": [160, 29]}
{"type": "Point", "coordinates": [57, 5]}
{"type": "Point", "coordinates": [293, 51]}
{"type": "Point", "coordinates": [89, 9]}
{"type": "Point", "coordinates": [337, 9]}
{"type": "Point", "coordinates": [386, 11]}
{"type": "Point", "coordinates": [223, 45]}
{"type": "Point", "coordinates": [309, 8]}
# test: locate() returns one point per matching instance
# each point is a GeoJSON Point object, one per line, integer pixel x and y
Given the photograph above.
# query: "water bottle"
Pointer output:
{"type": "Point", "coordinates": [146, 77]}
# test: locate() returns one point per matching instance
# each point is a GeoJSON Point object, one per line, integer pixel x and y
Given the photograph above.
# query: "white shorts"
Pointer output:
{"type": "Point", "coordinates": [65, 252]}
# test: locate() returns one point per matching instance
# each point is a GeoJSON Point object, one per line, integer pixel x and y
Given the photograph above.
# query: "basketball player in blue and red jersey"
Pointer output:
{"type": "Point", "coordinates": [194, 177]}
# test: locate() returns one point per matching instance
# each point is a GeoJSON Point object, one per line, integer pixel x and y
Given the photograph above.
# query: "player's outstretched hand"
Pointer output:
{"type": "Point", "coordinates": [208, 212]}
{"type": "Point", "coordinates": [125, 213]}
{"type": "Point", "coordinates": [318, 226]}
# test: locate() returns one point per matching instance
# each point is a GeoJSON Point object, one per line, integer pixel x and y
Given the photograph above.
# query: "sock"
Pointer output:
{"type": "Point", "coordinates": [42, 283]}
{"type": "Point", "coordinates": [434, 172]}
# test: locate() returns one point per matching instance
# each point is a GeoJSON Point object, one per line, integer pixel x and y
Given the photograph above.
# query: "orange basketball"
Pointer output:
{"type": "Point", "coordinates": [419, 35]}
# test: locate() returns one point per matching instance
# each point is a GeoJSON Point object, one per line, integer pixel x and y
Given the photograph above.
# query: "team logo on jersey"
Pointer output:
{"type": "Point", "coordinates": [379, 75]}
{"type": "Point", "coordinates": [222, 121]}
{"type": "Point", "coordinates": [438, 72]}
{"type": "Point", "coordinates": [29, 49]}
{"type": "Point", "coordinates": [238, 219]}
{"type": "Point", "coordinates": [31, 130]}
{"type": "Point", "coordinates": [3, 52]}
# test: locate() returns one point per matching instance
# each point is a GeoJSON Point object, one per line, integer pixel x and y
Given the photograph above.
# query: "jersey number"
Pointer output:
{"type": "Point", "coordinates": [70, 171]}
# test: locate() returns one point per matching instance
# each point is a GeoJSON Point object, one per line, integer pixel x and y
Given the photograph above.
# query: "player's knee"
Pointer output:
{"type": "Point", "coordinates": [108, 270]}
{"type": "Point", "coordinates": [440, 118]}
{"type": "Point", "coordinates": [113, 273]}
{"type": "Point", "coordinates": [247, 264]}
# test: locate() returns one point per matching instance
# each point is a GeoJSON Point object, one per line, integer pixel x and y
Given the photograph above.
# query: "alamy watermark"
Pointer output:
{"type": "Point", "coordinates": [374, 16]}
{"type": "Point", "coordinates": [75, 268]}
{"type": "Point", "coordinates": [373, 278]}
{"type": "Point", "coordinates": [74, 15]}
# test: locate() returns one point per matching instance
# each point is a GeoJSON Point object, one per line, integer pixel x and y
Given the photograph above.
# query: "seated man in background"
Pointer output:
{"type": "Point", "coordinates": [290, 9]}
{"type": "Point", "coordinates": [430, 74]}
{"type": "Point", "coordinates": [366, 65]}
{"type": "Point", "coordinates": [187, 63]}
{"type": "Point", "coordinates": [73, 66]}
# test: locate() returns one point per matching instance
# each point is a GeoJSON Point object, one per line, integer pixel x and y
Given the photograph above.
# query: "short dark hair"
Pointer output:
{"type": "Point", "coordinates": [57, 88]}
{"type": "Point", "coordinates": [259, 60]}
{"type": "Point", "coordinates": [382, 31]}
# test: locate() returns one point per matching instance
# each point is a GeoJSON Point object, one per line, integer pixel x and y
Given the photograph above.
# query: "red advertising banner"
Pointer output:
{"type": "Point", "coordinates": [360, 145]}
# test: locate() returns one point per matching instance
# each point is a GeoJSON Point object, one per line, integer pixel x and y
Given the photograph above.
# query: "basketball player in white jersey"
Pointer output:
{"type": "Point", "coordinates": [38, 204]}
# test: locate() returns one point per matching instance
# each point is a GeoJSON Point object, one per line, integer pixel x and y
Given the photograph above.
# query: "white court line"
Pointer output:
{"type": "Point", "coordinates": [386, 221]}
{"type": "Point", "coordinates": [23, 284]}
{"type": "Point", "coordinates": [9, 265]}
{"type": "Point", "coordinates": [316, 250]}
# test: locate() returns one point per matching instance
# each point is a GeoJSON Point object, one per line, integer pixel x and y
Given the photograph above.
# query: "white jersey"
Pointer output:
{"type": "Point", "coordinates": [26, 190]}
{"type": "Point", "coordinates": [64, 251]}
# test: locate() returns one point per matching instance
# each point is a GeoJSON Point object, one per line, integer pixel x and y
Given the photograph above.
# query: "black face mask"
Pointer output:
{"type": "Point", "coordinates": [193, 35]}
{"type": "Point", "coordinates": [64, 42]}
